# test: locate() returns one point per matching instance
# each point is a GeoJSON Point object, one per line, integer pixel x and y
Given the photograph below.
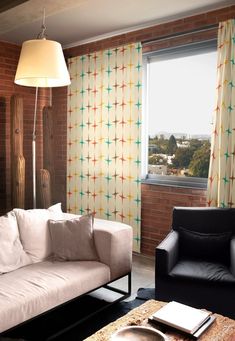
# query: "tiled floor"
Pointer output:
{"type": "Point", "coordinates": [142, 277]}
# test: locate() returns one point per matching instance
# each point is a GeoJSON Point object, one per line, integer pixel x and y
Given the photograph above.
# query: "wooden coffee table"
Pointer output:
{"type": "Point", "coordinates": [223, 329]}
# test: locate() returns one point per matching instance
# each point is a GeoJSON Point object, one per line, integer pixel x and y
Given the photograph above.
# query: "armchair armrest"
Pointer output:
{"type": "Point", "coordinates": [167, 253]}
{"type": "Point", "coordinates": [232, 255]}
{"type": "Point", "coordinates": [113, 241]}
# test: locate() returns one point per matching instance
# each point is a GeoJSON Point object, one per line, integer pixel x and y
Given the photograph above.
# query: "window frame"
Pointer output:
{"type": "Point", "coordinates": [164, 54]}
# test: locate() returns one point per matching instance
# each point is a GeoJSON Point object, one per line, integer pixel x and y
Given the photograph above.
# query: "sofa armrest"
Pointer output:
{"type": "Point", "coordinates": [113, 241]}
{"type": "Point", "coordinates": [167, 253]}
{"type": "Point", "coordinates": [232, 255]}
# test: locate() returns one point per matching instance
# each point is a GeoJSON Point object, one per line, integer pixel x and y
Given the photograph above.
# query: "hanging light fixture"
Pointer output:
{"type": "Point", "coordinates": [41, 65]}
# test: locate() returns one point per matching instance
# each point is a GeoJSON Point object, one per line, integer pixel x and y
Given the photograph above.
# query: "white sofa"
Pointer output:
{"type": "Point", "coordinates": [33, 282]}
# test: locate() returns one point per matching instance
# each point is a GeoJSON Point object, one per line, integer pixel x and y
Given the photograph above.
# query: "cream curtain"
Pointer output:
{"type": "Point", "coordinates": [221, 179]}
{"type": "Point", "coordinates": [104, 123]}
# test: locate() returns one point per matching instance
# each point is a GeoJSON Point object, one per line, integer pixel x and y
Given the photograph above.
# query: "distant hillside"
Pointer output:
{"type": "Point", "coordinates": [182, 135]}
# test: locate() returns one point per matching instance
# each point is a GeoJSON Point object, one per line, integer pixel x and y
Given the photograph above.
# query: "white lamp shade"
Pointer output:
{"type": "Point", "coordinates": [42, 64]}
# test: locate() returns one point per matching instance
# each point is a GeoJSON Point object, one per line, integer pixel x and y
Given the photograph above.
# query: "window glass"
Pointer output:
{"type": "Point", "coordinates": [179, 104]}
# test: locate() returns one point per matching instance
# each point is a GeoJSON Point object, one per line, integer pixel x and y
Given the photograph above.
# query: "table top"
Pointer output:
{"type": "Point", "coordinates": [223, 329]}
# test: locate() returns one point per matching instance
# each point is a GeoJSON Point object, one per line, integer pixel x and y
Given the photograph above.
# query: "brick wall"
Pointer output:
{"type": "Point", "coordinates": [9, 55]}
{"type": "Point", "coordinates": [156, 210]}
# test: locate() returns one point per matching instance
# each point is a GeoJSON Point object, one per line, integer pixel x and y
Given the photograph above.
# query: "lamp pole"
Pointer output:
{"type": "Point", "coordinates": [34, 149]}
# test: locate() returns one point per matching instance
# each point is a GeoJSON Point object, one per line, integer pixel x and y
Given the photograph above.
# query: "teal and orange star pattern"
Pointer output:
{"type": "Point", "coordinates": [104, 136]}
{"type": "Point", "coordinates": [221, 184]}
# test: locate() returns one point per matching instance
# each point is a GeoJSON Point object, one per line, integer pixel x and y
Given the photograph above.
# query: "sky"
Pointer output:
{"type": "Point", "coordinates": [182, 95]}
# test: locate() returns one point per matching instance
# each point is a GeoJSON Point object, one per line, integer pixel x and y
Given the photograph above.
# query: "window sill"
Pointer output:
{"type": "Point", "coordinates": [175, 181]}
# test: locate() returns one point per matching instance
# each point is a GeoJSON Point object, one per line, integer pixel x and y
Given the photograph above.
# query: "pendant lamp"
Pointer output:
{"type": "Point", "coordinates": [41, 65]}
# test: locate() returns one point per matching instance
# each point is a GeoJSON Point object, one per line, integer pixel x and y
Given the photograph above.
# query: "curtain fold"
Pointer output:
{"type": "Point", "coordinates": [104, 123]}
{"type": "Point", "coordinates": [221, 178]}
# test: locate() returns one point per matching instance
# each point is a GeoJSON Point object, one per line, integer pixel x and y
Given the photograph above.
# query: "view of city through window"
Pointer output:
{"type": "Point", "coordinates": [181, 103]}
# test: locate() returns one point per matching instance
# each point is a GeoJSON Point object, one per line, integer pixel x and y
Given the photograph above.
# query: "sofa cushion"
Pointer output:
{"type": "Point", "coordinates": [213, 247]}
{"type": "Point", "coordinates": [34, 232]}
{"type": "Point", "coordinates": [202, 271]}
{"type": "Point", "coordinates": [70, 215]}
{"type": "Point", "coordinates": [34, 289]}
{"type": "Point", "coordinates": [12, 254]}
{"type": "Point", "coordinates": [72, 239]}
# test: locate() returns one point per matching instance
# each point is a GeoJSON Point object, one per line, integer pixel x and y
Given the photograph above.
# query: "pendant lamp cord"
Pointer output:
{"type": "Point", "coordinates": [42, 34]}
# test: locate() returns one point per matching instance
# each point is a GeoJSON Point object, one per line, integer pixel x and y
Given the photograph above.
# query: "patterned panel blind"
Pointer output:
{"type": "Point", "coordinates": [104, 129]}
{"type": "Point", "coordinates": [221, 179]}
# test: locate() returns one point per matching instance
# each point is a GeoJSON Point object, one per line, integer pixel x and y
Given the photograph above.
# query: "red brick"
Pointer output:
{"type": "Point", "coordinates": [156, 220]}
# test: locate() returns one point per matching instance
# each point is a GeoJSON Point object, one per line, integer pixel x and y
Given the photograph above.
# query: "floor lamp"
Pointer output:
{"type": "Point", "coordinates": [41, 65]}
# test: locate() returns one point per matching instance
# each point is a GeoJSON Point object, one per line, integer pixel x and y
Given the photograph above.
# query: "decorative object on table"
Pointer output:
{"type": "Point", "coordinates": [17, 158]}
{"type": "Point", "coordinates": [41, 64]}
{"type": "Point", "coordinates": [137, 333]}
{"type": "Point", "coordinates": [184, 318]}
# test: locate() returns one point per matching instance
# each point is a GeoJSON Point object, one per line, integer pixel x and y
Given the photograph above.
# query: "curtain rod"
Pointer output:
{"type": "Point", "coordinates": [181, 34]}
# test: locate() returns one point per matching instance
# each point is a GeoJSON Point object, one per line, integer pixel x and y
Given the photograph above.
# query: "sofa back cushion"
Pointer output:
{"type": "Point", "coordinates": [213, 247]}
{"type": "Point", "coordinates": [204, 219]}
{"type": "Point", "coordinates": [72, 239]}
{"type": "Point", "coordinates": [12, 255]}
{"type": "Point", "coordinates": [34, 232]}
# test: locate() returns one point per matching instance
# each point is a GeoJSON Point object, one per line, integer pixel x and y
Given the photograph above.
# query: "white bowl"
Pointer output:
{"type": "Point", "coordinates": [138, 333]}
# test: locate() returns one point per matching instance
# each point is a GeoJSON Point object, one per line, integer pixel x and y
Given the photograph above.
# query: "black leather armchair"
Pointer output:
{"type": "Point", "coordinates": [195, 263]}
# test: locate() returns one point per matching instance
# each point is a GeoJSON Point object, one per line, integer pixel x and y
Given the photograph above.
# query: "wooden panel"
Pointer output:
{"type": "Point", "coordinates": [48, 145]}
{"type": "Point", "coordinates": [45, 188]}
{"type": "Point", "coordinates": [17, 158]}
{"type": "Point", "coordinates": [18, 182]}
{"type": "Point", "coordinates": [17, 125]}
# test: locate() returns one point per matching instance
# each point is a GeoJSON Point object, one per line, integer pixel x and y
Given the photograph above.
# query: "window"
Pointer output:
{"type": "Point", "coordinates": [179, 101]}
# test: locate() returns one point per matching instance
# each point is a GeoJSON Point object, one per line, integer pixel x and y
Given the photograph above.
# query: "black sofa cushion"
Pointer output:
{"type": "Point", "coordinates": [204, 271]}
{"type": "Point", "coordinates": [205, 246]}
{"type": "Point", "coordinates": [204, 219]}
